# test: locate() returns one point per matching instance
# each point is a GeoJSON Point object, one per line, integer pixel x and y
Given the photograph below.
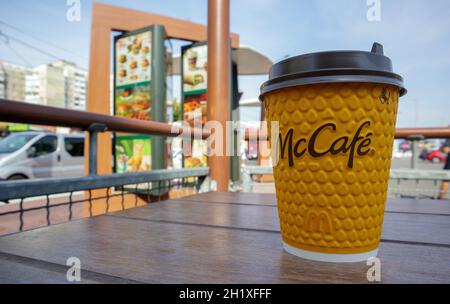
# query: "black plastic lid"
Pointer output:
{"type": "Point", "coordinates": [332, 67]}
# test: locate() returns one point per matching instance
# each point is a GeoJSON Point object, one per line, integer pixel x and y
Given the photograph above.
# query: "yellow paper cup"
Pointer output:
{"type": "Point", "coordinates": [334, 152]}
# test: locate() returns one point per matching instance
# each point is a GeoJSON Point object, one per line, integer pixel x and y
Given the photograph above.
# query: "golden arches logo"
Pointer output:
{"type": "Point", "coordinates": [318, 222]}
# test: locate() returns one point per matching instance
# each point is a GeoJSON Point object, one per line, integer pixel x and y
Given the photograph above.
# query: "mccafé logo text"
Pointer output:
{"type": "Point", "coordinates": [358, 144]}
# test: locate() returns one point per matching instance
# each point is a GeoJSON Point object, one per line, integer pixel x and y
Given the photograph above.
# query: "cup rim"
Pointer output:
{"type": "Point", "coordinates": [333, 76]}
{"type": "Point", "coordinates": [330, 257]}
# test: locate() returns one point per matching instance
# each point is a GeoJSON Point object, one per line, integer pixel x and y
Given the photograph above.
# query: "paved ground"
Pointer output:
{"type": "Point", "coordinates": [38, 218]}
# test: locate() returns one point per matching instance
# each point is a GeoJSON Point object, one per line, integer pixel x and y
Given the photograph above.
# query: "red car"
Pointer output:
{"type": "Point", "coordinates": [436, 156]}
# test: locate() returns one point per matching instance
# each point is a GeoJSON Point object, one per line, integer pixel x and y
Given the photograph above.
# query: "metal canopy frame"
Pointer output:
{"type": "Point", "coordinates": [107, 18]}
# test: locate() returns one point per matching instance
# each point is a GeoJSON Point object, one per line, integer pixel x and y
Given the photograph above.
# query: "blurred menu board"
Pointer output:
{"type": "Point", "coordinates": [133, 154]}
{"type": "Point", "coordinates": [132, 98]}
{"type": "Point", "coordinates": [194, 75]}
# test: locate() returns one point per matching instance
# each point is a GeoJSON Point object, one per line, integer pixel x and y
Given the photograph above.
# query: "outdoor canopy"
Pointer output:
{"type": "Point", "coordinates": [248, 60]}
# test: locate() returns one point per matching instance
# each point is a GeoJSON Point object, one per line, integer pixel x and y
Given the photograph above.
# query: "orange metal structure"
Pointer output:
{"type": "Point", "coordinates": [108, 18]}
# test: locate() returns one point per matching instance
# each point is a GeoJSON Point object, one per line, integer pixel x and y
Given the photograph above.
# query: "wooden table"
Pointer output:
{"type": "Point", "coordinates": [220, 238]}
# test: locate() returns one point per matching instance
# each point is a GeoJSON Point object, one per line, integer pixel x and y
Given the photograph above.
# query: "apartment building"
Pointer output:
{"type": "Point", "coordinates": [75, 85]}
{"type": "Point", "coordinates": [45, 85]}
{"type": "Point", "coordinates": [13, 81]}
{"type": "Point", "coordinates": [58, 84]}
{"type": "Point", "coordinates": [2, 83]}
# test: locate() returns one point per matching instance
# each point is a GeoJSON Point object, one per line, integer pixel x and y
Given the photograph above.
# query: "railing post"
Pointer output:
{"type": "Point", "coordinates": [414, 139]}
{"type": "Point", "coordinates": [247, 185]}
{"type": "Point", "coordinates": [158, 90]}
{"type": "Point", "coordinates": [93, 130]}
{"type": "Point", "coordinates": [219, 63]}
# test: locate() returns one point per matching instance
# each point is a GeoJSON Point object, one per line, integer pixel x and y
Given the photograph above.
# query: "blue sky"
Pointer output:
{"type": "Point", "coordinates": [415, 34]}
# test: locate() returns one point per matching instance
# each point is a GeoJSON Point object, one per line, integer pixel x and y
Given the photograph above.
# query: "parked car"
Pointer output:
{"type": "Point", "coordinates": [436, 156]}
{"type": "Point", "coordinates": [30, 155]}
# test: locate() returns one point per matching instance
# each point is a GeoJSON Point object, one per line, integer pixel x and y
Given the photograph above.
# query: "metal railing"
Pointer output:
{"type": "Point", "coordinates": [20, 112]}
{"type": "Point", "coordinates": [121, 189]}
{"type": "Point", "coordinates": [18, 189]}
{"type": "Point", "coordinates": [417, 183]}
{"type": "Point", "coordinates": [111, 193]}
{"type": "Point", "coordinates": [397, 177]}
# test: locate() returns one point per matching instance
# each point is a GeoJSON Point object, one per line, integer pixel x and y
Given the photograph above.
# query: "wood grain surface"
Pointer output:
{"type": "Point", "coordinates": [227, 238]}
{"type": "Point", "coordinates": [404, 227]}
{"type": "Point", "coordinates": [427, 206]}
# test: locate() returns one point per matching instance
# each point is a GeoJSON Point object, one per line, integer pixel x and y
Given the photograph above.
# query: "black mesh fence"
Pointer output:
{"type": "Point", "coordinates": [34, 211]}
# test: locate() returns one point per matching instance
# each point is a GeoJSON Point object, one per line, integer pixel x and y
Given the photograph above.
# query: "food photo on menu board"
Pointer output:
{"type": "Point", "coordinates": [197, 156]}
{"type": "Point", "coordinates": [133, 154]}
{"type": "Point", "coordinates": [133, 76]}
{"type": "Point", "coordinates": [195, 69]}
{"type": "Point", "coordinates": [134, 102]}
{"type": "Point", "coordinates": [133, 99]}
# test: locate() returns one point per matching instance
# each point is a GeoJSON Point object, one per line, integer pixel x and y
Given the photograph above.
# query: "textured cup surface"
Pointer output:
{"type": "Point", "coordinates": [334, 158]}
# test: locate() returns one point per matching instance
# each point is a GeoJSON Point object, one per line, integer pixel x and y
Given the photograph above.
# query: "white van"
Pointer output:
{"type": "Point", "coordinates": [30, 155]}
